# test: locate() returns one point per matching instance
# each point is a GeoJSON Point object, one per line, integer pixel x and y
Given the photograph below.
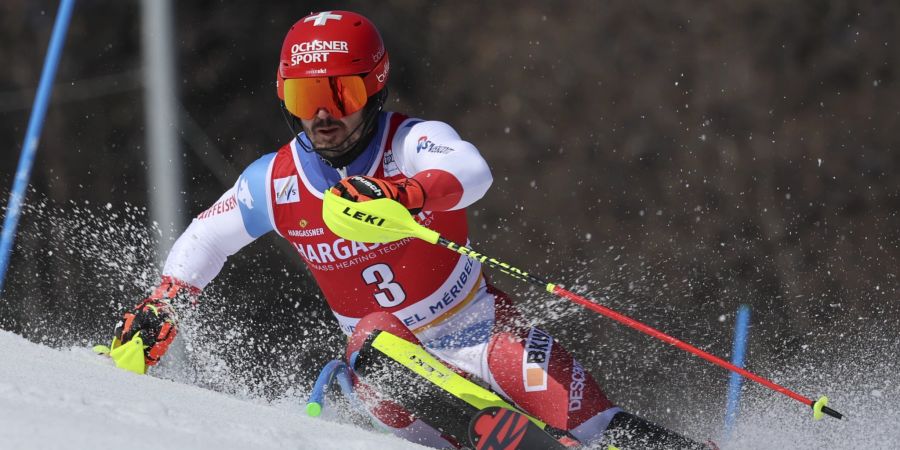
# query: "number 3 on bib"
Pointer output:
{"type": "Point", "coordinates": [389, 292]}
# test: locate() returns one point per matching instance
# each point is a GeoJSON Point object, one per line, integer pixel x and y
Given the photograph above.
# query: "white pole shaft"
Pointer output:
{"type": "Point", "coordinates": [165, 181]}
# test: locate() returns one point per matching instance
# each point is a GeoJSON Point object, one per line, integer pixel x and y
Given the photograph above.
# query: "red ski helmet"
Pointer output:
{"type": "Point", "coordinates": [331, 59]}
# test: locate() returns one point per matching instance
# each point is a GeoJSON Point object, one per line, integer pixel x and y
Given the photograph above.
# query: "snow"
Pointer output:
{"type": "Point", "coordinates": [74, 399]}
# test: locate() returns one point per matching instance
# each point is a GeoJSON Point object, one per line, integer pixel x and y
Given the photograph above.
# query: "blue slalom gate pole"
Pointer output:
{"type": "Point", "coordinates": [334, 369]}
{"type": "Point", "coordinates": [737, 358]}
{"type": "Point", "coordinates": [32, 135]}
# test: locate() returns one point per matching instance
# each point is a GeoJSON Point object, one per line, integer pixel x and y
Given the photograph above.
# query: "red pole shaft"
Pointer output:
{"type": "Point", "coordinates": [623, 319]}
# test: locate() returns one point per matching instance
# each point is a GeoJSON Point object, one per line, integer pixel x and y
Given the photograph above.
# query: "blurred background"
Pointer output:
{"type": "Point", "coordinates": [672, 160]}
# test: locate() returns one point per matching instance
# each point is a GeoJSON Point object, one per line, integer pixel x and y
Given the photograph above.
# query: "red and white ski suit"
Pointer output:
{"type": "Point", "coordinates": [441, 296]}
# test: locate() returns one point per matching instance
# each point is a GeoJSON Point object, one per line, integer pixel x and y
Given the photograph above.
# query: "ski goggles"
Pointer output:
{"type": "Point", "coordinates": [341, 96]}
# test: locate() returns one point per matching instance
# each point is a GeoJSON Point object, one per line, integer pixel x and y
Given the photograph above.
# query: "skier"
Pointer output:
{"type": "Point", "coordinates": [332, 79]}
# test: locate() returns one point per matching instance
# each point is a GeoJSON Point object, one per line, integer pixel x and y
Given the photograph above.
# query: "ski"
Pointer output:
{"type": "Point", "coordinates": [497, 428]}
{"type": "Point", "coordinates": [407, 374]}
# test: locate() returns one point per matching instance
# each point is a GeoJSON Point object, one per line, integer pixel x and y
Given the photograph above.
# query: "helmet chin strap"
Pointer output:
{"type": "Point", "coordinates": [352, 151]}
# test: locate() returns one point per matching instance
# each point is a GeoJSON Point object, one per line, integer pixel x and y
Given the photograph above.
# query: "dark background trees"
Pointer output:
{"type": "Point", "coordinates": [673, 159]}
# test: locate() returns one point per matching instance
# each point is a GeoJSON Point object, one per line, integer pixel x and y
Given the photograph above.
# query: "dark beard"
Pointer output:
{"type": "Point", "coordinates": [349, 149]}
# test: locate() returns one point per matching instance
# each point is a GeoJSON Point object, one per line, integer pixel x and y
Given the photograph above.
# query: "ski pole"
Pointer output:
{"type": "Point", "coordinates": [384, 220]}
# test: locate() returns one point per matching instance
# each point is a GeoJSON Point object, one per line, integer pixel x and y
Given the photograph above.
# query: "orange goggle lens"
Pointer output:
{"type": "Point", "coordinates": [341, 96]}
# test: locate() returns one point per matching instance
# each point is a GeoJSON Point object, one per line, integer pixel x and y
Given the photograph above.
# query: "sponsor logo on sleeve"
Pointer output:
{"type": "Point", "coordinates": [286, 190]}
{"type": "Point", "coordinates": [535, 359]}
{"type": "Point", "coordinates": [423, 143]}
{"type": "Point", "coordinates": [428, 146]}
{"type": "Point", "coordinates": [220, 207]}
{"type": "Point", "coordinates": [243, 193]}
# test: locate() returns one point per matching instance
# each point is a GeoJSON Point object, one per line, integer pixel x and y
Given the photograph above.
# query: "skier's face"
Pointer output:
{"type": "Point", "coordinates": [325, 131]}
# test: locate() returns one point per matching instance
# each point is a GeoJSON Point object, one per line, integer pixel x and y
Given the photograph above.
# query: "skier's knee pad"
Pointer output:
{"type": "Point", "coordinates": [540, 376]}
{"type": "Point", "coordinates": [379, 320]}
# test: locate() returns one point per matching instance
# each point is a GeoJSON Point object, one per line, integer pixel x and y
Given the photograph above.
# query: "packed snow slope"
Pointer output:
{"type": "Point", "coordinates": [73, 399]}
